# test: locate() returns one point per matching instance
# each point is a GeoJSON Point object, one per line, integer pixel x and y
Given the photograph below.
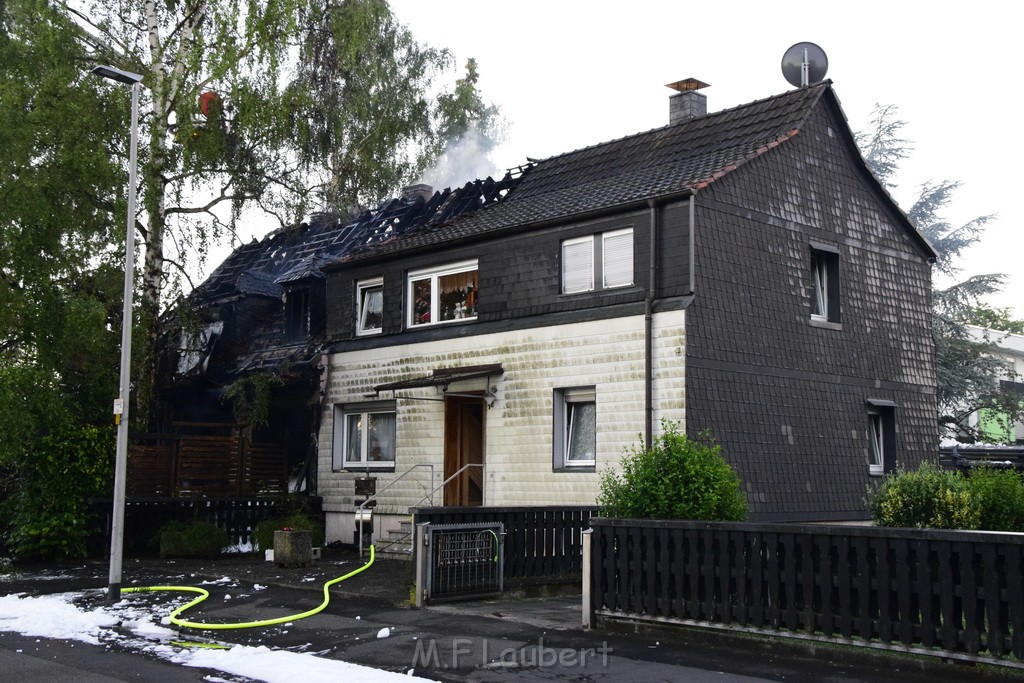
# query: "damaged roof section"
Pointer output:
{"type": "Point", "coordinates": [246, 327]}
{"type": "Point", "coordinates": [294, 254]}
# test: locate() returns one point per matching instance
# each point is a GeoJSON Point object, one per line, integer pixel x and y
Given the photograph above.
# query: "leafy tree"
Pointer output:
{"type": "Point", "coordinates": [272, 105]}
{"type": "Point", "coordinates": [968, 371]}
{"type": "Point", "coordinates": [995, 319]}
{"type": "Point", "coordinates": [60, 279]}
{"type": "Point", "coordinates": [222, 100]}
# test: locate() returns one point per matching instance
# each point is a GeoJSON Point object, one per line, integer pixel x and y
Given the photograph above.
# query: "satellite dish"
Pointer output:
{"type": "Point", "coordinates": [803, 64]}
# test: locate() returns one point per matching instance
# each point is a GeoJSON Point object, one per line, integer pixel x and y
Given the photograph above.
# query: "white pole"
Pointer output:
{"type": "Point", "coordinates": [121, 406]}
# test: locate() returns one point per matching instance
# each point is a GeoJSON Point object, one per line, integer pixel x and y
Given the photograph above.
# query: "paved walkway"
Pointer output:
{"type": "Point", "coordinates": [529, 639]}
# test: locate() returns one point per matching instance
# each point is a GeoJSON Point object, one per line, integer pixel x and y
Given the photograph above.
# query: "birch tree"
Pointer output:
{"type": "Point", "coordinates": [280, 105]}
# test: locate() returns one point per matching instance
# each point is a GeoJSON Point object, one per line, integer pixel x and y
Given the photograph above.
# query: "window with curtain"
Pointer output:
{"type": "Point", "coordinates": [370, 306]}
{"type": "Point", "coordinates": [443, 295]}
{"type": "Point", "coordinates": [364, 437]}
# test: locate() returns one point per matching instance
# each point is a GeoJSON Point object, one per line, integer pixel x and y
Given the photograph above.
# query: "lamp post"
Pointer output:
{"type": "Point", "coordinates": [121, 404]}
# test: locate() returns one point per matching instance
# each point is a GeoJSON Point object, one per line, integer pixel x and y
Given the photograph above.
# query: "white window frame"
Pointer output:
{"type": "Point", "coordinates": [341, 457]}
{"type": "Point", "coordinates": [826, 285]}
{"type": "Point", "coordinates": [605, 237]}
{"type": "Point", "coordinates": [564, 402]}
{"type": "Point", "coordinates": [881, 435]}
{"type": "Point", "coordinates": [577, 263]}
{"type": "Point", "coordinates": [581, 272]}
{"type": "Point", "coordinates": [362, 287]}
{"type": "Point", "coordinates": [819, 286]}
{"type": "Point", "coordinates": [434, 275]}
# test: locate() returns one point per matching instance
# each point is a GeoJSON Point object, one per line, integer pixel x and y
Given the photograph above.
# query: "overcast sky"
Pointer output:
{"type": "Point", "coordinates": [570, 74]}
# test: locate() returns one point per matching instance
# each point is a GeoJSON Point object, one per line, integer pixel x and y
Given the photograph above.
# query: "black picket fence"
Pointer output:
{"type": "Point", "coordinates": [949, 592]}
{"type": "Point", "coordinates": [542, 544]}
{"type": "Point", "coordinates": [144, 517]}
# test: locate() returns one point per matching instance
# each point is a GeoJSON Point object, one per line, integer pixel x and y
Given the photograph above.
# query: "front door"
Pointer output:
{"type": "Point", "coordinates": [464, 445]}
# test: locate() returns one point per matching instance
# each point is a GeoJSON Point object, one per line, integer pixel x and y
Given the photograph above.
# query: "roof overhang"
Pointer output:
{"type": "Point", "coordinates": [443, 377]}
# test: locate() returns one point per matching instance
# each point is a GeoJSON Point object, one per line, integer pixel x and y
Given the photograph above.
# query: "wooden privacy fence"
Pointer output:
{"type": "Point", "coordinates": [945, 592]}
{"type": "Point", "coordinates": [200, 465]}
{"type": "Point", "coordinates": [542, 544]}
{"type": "Point", "coordinates": [144, 519]}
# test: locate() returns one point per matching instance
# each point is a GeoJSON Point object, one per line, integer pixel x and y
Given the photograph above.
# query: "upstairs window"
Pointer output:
{"type": "Point", "coordinates": [370, 306]}
{"type": "Point", "coordinates": [824, 285]}
{"type": "Point", "coordinates": [606, 258]}
{"type": "Point", "coordinates": [296, 314]}
{"type": "Point", "coordinates": [442, 295]}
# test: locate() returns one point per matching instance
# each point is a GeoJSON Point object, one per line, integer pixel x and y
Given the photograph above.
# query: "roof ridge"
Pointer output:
{"type": "Point", "coordinates": [821, 87]}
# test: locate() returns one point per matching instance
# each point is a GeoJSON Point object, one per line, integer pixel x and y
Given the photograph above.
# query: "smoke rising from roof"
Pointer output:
{"type": "Point", "coordinates": [463, 160]}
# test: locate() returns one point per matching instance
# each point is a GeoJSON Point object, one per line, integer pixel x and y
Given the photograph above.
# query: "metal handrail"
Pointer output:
{"type": "Point", "coordinates": [441, 485]}
{"type": "Point", "coordinates": [430, 495]}
{"type": "Point", "coordinates": [362, 506]}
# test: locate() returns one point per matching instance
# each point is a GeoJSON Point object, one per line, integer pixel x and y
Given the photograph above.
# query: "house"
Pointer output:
{"type": "Point", "coordinates": [740, 272]}
{"type": "Point", "coordinates": [256, 326]}
{"type": "Point", "coordinates": [996, 427]}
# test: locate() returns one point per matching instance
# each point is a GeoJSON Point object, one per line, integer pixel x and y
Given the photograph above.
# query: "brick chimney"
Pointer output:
{"type": "Point", "coordinates": [423, 190]}
{"type": "Point", "coordinates": [688, 103]}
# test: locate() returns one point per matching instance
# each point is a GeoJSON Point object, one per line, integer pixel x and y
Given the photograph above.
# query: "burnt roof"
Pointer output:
{"type": "Point", "coordinates": [673, 160]}
{"type": "Point", "coordinates": [295, 254]}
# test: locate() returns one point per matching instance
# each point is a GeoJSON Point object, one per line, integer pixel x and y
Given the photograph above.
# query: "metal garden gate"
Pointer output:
{"type": "Point", "coordinates": [459, 561]}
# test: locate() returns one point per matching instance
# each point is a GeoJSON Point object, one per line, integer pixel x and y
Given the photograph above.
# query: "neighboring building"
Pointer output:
{"type": "Point", "coordinates": [259, 319]}
{"type": "Point", "coordinates": [994, 427]}
{"type": "Point", "coordinates": [740, 272]}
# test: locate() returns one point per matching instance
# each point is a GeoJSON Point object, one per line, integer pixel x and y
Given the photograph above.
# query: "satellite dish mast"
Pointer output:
{"type": "Point", "coordinates": [803, 64]}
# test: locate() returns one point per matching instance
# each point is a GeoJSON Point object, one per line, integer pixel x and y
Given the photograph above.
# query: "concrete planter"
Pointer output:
{"type": "Point", "coordinates": [293, 548]}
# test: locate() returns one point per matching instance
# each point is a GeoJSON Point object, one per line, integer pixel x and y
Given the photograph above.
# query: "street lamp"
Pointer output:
{"type": "Point", "coordinates": [121, 404]}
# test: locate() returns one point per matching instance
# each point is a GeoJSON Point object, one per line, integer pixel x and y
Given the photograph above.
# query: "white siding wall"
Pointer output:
{"type": "Point", "coordinates": [607, 354]}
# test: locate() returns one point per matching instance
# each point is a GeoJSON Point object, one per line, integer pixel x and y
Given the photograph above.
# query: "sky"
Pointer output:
{"type": "Point", "coordinates": [568, 74]}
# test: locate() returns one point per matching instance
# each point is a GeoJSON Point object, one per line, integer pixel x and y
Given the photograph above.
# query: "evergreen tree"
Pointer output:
{"type": "Point", "coordinates": [968, 371]}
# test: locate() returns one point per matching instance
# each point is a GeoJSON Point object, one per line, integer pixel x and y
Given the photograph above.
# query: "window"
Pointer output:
{"type": "Point", "coordinates": [575, 437]}
{"type": "Point", "coordinates": [296, 314]}
{"type": "Point", "coordinates": [612, 264]}
{"type": "Point", "coordinates": [442, 295]}
{"type": "Point", "coordinates": [824, 285]}
{"type": "Point", "coordinates": [881, 436]}
{"type": "Point", "coordinates": [370, 306]}
{"type": "Point", "coordinates": [364, 436]}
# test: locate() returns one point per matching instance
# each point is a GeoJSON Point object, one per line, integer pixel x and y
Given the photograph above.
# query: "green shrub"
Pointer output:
{"type": "Point", "coordinates": [49, 506]}
{"type": "Point", "coordinates": [1001, 498]}
{"type": "Point", "coordinates": [264, 533]}
{"type": "Point", "coordinates": [676, 478]}
{"type": "Point", "coordinates": [195, 539]}
{"type": "Point", "coordinates": [926, 498]}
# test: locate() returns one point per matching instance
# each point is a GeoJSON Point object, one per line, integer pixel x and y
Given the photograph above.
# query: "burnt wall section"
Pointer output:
{"type": "Point", "coordinates": [519, 279]}
{"type": "Point", "coordinates": [785, 395]}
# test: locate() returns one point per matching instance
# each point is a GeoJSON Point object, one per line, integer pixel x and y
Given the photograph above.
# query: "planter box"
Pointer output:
{"type": "Point", "coordinates": [293, 548]}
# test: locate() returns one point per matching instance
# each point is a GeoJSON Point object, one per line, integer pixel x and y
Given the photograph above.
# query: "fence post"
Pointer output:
{"type": "Point", "coordinates": [588, 597]}
{"type": "Point", "coordinates": [419, 554]}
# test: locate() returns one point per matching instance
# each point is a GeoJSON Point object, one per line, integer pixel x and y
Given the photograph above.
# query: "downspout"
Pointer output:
{"type": "Point", "coordinates": [649, 327]}
{"type": "Point", "coordinates": [693, 261]}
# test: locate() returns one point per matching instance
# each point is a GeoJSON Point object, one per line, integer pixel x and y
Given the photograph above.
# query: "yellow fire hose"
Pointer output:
{"type": "Point", "coordinates": [203, 594]}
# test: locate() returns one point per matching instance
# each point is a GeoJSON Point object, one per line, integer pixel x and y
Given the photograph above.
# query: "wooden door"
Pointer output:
{"type": "Point", "coordinates": [464, 445]}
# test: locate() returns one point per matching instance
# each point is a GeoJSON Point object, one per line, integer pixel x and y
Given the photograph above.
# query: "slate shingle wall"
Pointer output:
{"type": "Point", "coordinates": [519, 275]}
{"type": "Point", "coordinates": [787, 398]}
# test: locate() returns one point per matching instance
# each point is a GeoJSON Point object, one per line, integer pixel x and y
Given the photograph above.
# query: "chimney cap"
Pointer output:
{"type": "Point", "coordinates": [687, 85]}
